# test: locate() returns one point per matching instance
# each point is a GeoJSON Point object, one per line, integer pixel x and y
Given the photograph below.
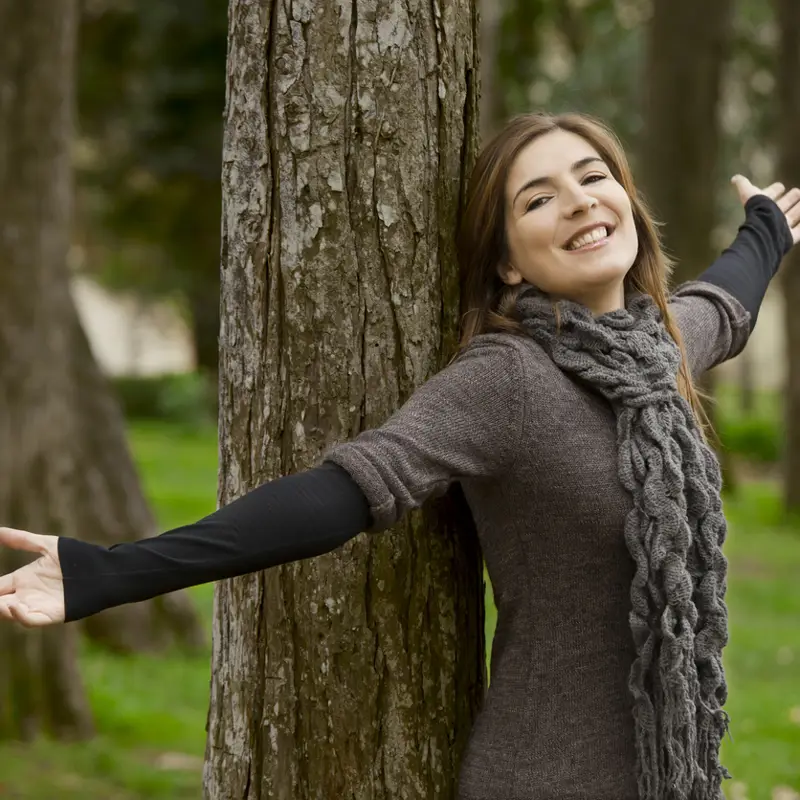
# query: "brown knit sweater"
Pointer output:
{"type": "Point", "coordinates": [536, 455]}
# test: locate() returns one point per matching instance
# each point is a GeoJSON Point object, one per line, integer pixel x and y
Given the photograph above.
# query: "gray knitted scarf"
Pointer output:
{"type": "Point", "coordinates": [674, 534]}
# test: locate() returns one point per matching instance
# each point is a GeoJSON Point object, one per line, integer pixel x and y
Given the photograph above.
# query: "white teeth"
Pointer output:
{"type": "Point", "coordinates": [594, 235]}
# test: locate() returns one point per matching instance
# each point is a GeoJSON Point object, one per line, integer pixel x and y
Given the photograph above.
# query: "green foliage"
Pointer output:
{"type": "Point", "coordinates": [756, 435]}
{"type": "Point", "coordinates": [571, 56]}
{"type": "Point", "coordinates": [757, 439]}
{"type": "Point", "coordinates": [762, 658]}
{"type": "Point", "coordinates": [188, 399]}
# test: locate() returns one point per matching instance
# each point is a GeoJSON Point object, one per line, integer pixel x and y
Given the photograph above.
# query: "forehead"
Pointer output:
{"type": "Point", "coordinates": [547, 155]}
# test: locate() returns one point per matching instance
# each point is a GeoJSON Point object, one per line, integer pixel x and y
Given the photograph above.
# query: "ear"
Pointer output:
{"type": "Point", "coordinates": [509, 275]}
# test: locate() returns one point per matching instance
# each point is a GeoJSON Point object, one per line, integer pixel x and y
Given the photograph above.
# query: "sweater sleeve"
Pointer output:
{"type": "Point", "coordinates": [463, 422]}
{"type": "Point", "coordinates": [717, 312]}
{"type": "Point", "coordinates": [294, 517]}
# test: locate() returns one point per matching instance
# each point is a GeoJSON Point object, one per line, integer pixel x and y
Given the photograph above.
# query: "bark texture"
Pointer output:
{"type": "Point", "coordinates": [788, 15]}
{"type": "Point", "coordinates": [687, 48]}
{"type": "Point", "coordinates": [64, 460]}
{"type": "Point", "coordinates": [349, 127]}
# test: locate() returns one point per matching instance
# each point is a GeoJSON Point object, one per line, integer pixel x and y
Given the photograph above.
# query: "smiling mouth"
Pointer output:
{"type": "Point", "coordinates": [591, 240]}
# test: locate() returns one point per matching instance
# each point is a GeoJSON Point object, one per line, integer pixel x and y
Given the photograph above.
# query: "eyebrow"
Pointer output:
{"type": "Point", "coordinates": [534, 182]}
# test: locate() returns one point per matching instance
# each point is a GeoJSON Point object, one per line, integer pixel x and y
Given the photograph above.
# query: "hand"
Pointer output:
{"type": "Point", "coordinates": [34, 594]}
{"type": "Point", "coordinates": [788, 202]}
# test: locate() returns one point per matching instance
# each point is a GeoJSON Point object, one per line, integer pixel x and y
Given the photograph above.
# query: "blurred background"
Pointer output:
{"type": "Point", "coordinates": [143, 278]}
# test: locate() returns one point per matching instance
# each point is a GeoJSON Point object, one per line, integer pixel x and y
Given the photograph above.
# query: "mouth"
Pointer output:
{"type": "Point", "coordinates": [590, 238]}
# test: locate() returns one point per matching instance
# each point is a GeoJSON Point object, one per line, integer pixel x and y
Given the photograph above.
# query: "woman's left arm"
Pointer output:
{"type": "Point", "coordinates": [717, 311]}
{"type": "Point", "coordinates": [770, 229]}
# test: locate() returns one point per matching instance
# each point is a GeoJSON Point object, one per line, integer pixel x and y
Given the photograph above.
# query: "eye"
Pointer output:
{"type": "Point", "coordinates": [537, 203]}
{"type": "Point", "coordinates": [594, 178]}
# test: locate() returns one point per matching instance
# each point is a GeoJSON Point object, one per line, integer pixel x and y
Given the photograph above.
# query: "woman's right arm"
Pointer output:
{"type": "Point", "coordinates": [463, 422]}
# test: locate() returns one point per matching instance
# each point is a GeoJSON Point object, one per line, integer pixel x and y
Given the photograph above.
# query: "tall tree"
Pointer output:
{"type": "Point", "coordinates": [687, 46]}
{"type": "Point", "coordinates": [65, 466]}
{"type": "Point", "coordinates": [679, 148]}
{"type": "Point", "coordinates": [349, 129]}
{"type": "Point", "coordinates": [39, 682]}
{"type": "Point", "coordinates": [788, 18]}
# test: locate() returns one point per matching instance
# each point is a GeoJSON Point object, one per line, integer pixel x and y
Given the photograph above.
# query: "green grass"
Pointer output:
{"type": "Point", "coordinates": [151, 711]}
{"type": "Point", "coordinates": [762, 660]}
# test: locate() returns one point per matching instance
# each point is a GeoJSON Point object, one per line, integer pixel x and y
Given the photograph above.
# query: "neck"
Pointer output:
{"type": "Point", "coordinates": [602, 301]}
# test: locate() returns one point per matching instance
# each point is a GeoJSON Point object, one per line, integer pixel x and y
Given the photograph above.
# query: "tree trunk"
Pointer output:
{"type": "Point", "coordinates": [788, 13]}
{"type": "Point", "coordinates": [492, 102]}
{"type": "Point", "coordinates": [348, 132]}
{"type": "Point", "coordinates": [36, 57]}
{"type": "Point", "coordinates": [687, 47]}
{"type": "Point", "coordinates": [203, 300]}
{"type": "Point", "coordinates": [64, 460]}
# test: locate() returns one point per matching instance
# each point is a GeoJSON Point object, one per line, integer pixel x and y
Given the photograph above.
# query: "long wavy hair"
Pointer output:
{"type": "Point", "coordinates": [487, 302]}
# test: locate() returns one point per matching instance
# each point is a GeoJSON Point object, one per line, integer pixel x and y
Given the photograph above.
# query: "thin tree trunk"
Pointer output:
{"type": "Point", "coordinates": [687, 47]}
{"type": "Point", "coordinates": [203, 301]}
{"type": "Point", "coordinates": [492, 102]}
{"type": "Point", "coordinates": [64, 459]}
{"type": "Point", "coordinates": [348, 131]}
{"type": "Point", "coordinates": [788, 13]}
{"type": "Point", "coordinates": [36, 58]}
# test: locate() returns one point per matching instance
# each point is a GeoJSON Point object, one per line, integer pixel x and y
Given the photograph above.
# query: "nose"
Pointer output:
{"type": "Point", "coordinates": [577, 201]}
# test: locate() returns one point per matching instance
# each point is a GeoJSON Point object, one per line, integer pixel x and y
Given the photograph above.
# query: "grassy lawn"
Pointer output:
{"type": "Point", "coordinates": [151, 711]}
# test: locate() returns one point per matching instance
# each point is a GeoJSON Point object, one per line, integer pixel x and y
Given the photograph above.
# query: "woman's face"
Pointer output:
{"type": "Point", "coordinates": [569, 224]}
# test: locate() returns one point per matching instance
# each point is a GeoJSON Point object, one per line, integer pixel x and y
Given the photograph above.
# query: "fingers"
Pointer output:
{"type": "Point", "coordinates": [22, 540]}
{"type": "Point", "coordinates": [744, 188]}
{"type": "Point", "coordinates": [14, 610]}
{"type": "Point", "coordinates": [774, 191]}
{"type": "Point", "coordinates": [790, 205]}
{"type": "Point", "coordinates": [6, 584]}
{"type": "Point", "coordinates": [5, 606]}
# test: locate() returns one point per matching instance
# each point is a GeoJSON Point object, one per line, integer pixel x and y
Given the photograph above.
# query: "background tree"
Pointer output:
{"type": "Point", "coordinates": [788, 18]}
{"type": "Point", "coordinates": [679, 148]}
{"type": "Point", "coordinates": [39, 683]}
{"type": "Point", "coordinates": [348, 135]}
{"type": "Point", "coordinates": [682, 87]}
{"type": "Point", "coordinates": [64, 459]}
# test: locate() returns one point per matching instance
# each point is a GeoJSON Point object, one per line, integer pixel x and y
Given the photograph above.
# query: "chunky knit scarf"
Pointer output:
{"type": "Point", "coordinates": [674, 534]}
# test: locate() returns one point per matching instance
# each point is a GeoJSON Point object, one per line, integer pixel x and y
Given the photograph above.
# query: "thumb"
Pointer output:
{"type": "Point", "coordinates": [22, 540]}
{"type": "Point", "coordinates": [744, 188]}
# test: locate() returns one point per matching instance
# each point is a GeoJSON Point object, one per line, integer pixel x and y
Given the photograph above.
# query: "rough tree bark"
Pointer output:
{"type": "Point", "coordinates": [348, 131]}
{"type": "Point", "coordinates": [64, 460]}
{"type": "Point", "coordinates": [687, 47]}
{"type": "Point", "coordinates": [788, 16]}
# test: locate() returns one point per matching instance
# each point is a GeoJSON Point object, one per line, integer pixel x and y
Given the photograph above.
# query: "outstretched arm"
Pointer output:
{"type": "Point", "coordinates": [770, 229]}
{"type": "Point", "coordinates": [717, 312]}
{"type": "Point", "coordinates": [295, 517]}
{"type": "Point", "coordinates": [463, 422]}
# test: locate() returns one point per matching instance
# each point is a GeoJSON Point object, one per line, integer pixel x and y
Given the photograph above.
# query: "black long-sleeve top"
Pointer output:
{"type": "Point", "coordinates": [314, 512]}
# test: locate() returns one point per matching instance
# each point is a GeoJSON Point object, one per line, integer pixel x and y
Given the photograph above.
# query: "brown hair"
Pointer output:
{"type": "Point", "coordinates": [487, 302]}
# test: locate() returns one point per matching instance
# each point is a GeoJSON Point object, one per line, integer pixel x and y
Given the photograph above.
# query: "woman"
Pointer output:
{"type": "Point", "coordinates": [571, 420]}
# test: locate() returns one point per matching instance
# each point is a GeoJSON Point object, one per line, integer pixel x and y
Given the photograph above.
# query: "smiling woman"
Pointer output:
{"type": "Point", "coordinates": [569, 418]}
{"type": "Point", "coordinates": [571, 233]}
